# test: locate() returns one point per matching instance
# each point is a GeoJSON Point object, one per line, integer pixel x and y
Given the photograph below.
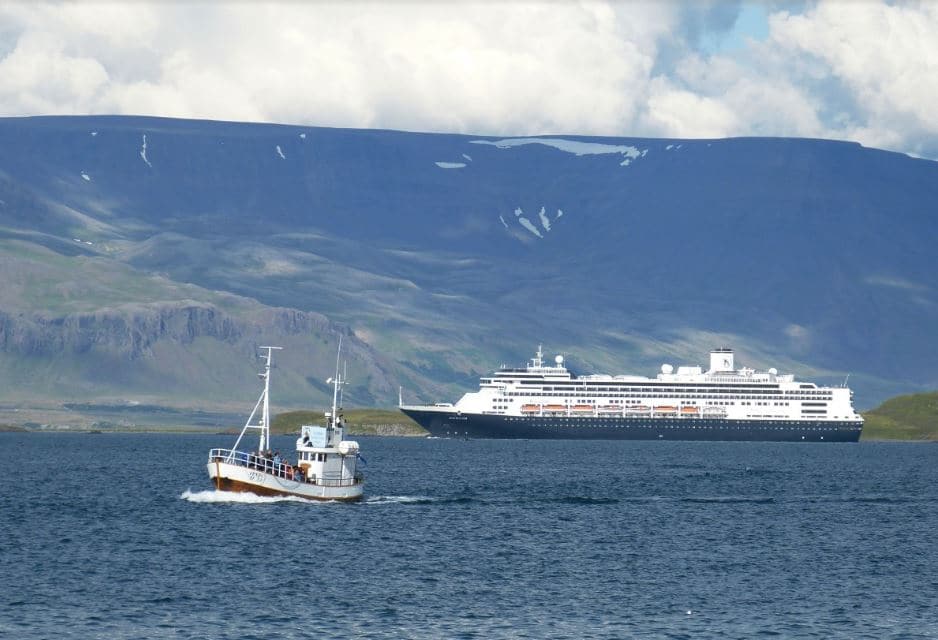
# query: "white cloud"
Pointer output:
{"type": "Point", "coordinates": [474, 67]}
{"type": "Point", "coordinates": [866, 71]}
{"type": "Point", "coordinates": [39, 76]}
{"type": "Point", "coordinates": [887, 58]}
{"type": "Point", "coordinates": [674, 112]}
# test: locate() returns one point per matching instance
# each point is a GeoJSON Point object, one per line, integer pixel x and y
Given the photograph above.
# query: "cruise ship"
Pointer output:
{"type": "Point", "coordinates": [722, 403]}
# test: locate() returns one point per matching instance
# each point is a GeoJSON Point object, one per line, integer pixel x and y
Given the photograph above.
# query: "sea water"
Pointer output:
{"type": "Point", "coordinates": [122, 536]}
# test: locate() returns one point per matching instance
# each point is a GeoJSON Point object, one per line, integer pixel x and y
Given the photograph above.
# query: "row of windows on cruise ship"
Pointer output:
{"type": "Point", "coordinates": [606, 392]}
{"type": "Point", "coordinates": [702, 388]}
{"type": "Point", "coordinates": [649, 383]}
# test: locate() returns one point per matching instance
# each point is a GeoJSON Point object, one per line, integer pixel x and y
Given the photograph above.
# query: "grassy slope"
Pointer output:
{"type": "Point", "coordinates": [911, 417]}
{"type": "Point", "coordinates": [359, 421]}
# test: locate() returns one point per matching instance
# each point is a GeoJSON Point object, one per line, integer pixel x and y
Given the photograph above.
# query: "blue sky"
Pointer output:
{"type": "Point", "coordinates": [860, 70]}
{"type": "Point", "coordinates": [752, 23]}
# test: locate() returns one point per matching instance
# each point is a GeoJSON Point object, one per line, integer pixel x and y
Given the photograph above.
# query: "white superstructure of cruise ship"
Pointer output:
{"type": "Point", "coordinates": [721, 403]}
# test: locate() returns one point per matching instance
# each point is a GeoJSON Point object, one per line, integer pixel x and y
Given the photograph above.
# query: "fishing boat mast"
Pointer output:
{"type": "Point", "coordinates": [263, 403]}
{"type": "Point", "coordinates": [337, 383]}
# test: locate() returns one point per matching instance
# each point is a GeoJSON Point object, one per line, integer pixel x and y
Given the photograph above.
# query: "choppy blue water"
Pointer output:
{"type": "Point", "coordinates": [121, 536]}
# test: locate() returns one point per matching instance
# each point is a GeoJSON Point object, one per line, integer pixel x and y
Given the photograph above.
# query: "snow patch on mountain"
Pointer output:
{"type": "Point", "coordinates": [85, 176]}
{"type": "Point", "coordinates": [576, 147]}
{"type": "Point", "coordinates": [630, 154]}
{"type": "Point", "coordinates": [280, 152]}
{"type": "Point", "coordinates": [467, 157]}
{"type": "Point", "coordinates": [524, 222]}
{"type": "Point", "coordinates": [545, 221]}
{"type": "Point", "coordinates": [143, 151]}
{"type": "Point", "coordinates": [542, 216]}
{"type": "Point", "coordinates": [450, 165]}
{"type": "Point", "coordinates": [527, 224]}
{"type": "Point", "coordinates": [895, 283]}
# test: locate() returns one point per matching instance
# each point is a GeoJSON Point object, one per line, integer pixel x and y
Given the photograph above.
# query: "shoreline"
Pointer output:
{"type": "Point", "coordinates": [403, 432]}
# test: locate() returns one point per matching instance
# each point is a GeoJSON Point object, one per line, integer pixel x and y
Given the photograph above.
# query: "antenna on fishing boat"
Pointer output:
{"type": "Point", "coordinates": [343, 382]}
{"type": "Point", "coordinates": [263, 403]}
{"type": "Point", "coordinates": [337, 383]}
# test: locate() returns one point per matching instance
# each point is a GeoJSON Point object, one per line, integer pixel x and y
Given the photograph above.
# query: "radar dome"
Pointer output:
{"type": "Point", "coordinates": [773, 371]}
{"type": "Point", "coordinates": [666, 368]}
{"type": "Point", "coordinates": [559, 360]}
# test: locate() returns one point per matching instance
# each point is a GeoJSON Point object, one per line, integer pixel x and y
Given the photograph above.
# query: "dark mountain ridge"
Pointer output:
{"type": "Point", "coordinates": [445, 255]}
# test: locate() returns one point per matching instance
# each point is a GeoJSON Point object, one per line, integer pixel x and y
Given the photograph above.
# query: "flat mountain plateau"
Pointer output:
{"type": "Point", "coordinates": [145, 260]}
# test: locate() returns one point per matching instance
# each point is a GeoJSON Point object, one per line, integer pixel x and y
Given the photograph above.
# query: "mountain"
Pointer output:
{"type": "Point", "coordinates": [145, 259]}
{"type": "Point", "coordinates": [908, 417]}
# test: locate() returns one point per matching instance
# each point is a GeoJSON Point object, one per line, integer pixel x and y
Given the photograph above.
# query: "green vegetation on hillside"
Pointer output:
{"type": "Point", "coordinates": [911, 417]}
{"type": "Point", "coordinates": [11, 427]}
{"type": "Point", "coordinates": [360, 422]}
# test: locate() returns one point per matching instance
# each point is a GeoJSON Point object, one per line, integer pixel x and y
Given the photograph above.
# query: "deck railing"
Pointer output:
{"type": "Point", "coordinates": [281, 470]}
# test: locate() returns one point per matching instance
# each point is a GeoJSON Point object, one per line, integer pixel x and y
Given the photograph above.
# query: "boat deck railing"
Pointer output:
{"type": "Point", "coordinates": [280, 470]}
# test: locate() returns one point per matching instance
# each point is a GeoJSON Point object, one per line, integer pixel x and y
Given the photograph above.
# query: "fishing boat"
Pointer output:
{"type": "Point", "coordinates": [325, 466]}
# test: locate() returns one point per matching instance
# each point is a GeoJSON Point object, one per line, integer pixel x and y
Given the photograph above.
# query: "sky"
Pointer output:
{"type": "Point", "coordinates": [859, 70]}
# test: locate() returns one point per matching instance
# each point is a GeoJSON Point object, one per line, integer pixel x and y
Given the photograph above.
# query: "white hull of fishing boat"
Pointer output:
{"type": "Point", "coordinates": [231, 476]}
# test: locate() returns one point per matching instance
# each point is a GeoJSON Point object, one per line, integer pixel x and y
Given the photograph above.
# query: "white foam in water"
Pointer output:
{"type": "Point", "coordinates": [395, 499]}
{"type": "Point", "coordinates": [217, 497]}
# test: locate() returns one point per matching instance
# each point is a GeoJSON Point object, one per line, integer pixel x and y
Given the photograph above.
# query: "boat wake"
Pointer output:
{"type": "Point", "coordinates": [398, 500]}
{"type": "Point", "coordinates": [730, 499]}
{"type": "Point", "coordinates": [223, 497]}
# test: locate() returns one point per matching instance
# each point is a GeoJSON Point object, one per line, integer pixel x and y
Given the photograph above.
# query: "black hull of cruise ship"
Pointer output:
{"type": "Point", "coordinates": [450, 425]}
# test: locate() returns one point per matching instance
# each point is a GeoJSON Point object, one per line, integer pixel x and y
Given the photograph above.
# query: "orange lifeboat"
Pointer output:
{"type": "Point", "coordinates": [689, 411]}
{"type": "Point", "coordinates": [530, 408]}
{"type": "Point", "coordinates": [555, 408]}
{"type": "Point", "coordinates": [665, 409]}
{"type": "Point", "coordinates": [583, 408]}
